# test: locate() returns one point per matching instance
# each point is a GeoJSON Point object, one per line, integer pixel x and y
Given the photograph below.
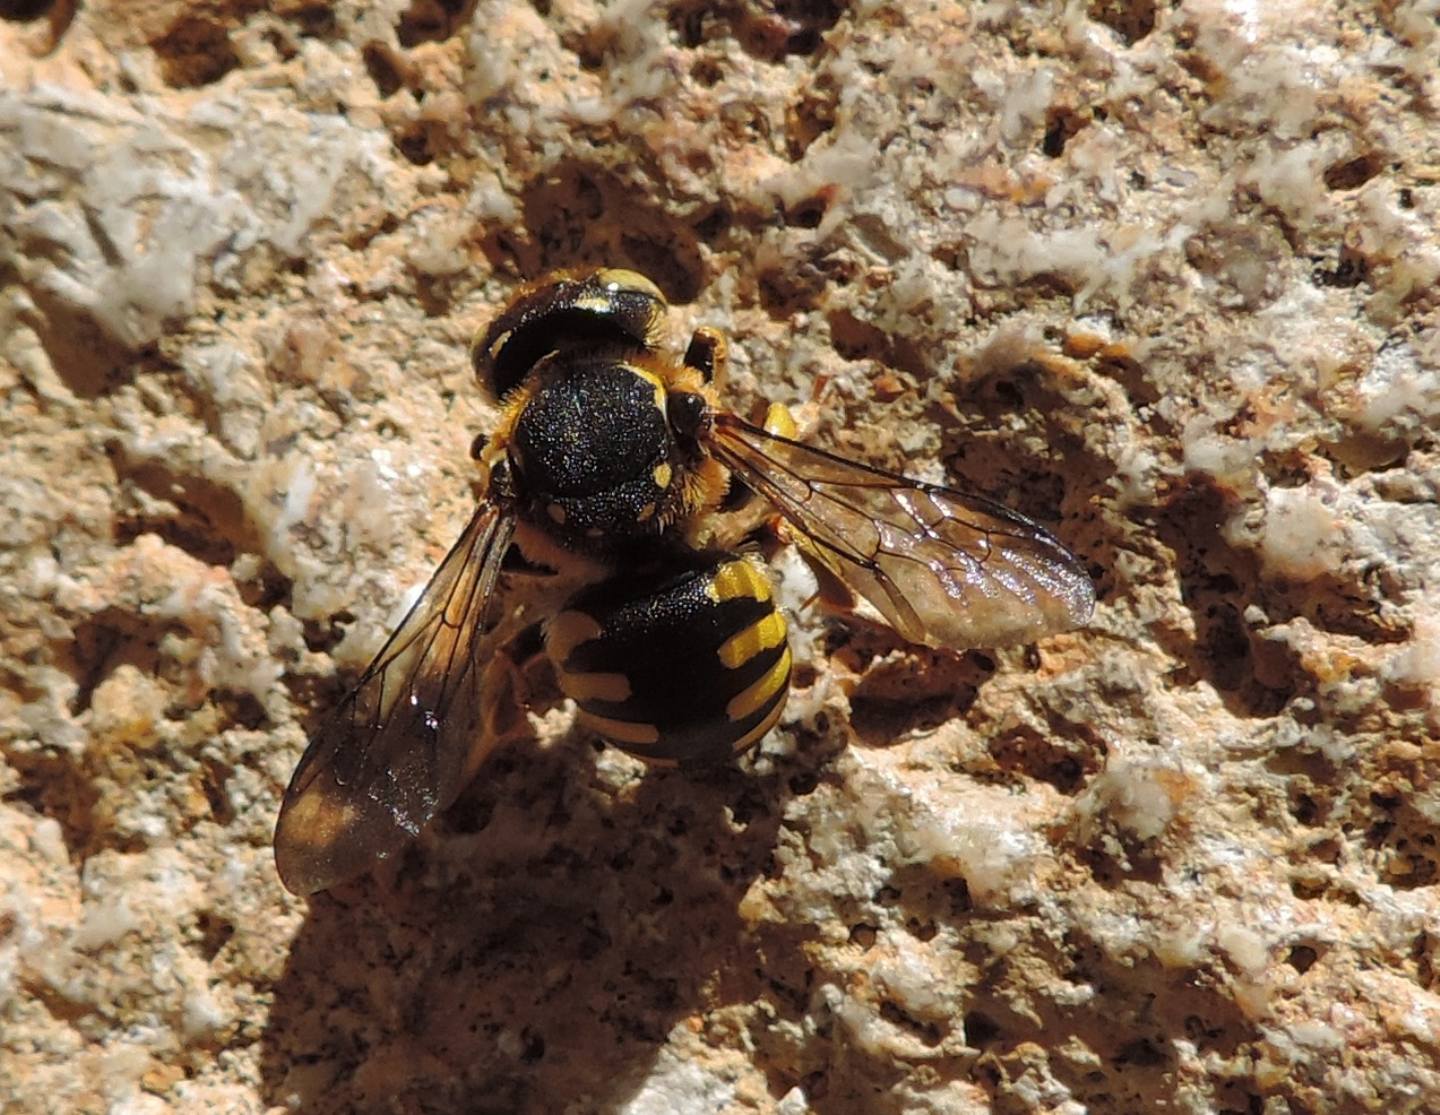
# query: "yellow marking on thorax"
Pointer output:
{"type": "Point", "coordinates": [750, 700]}
{"type": "Point", "coordinates": [662, 474]}
{"type": "Point", "coordinates": [736, 580]}
{"type": "Point", "coordinates": [567, 631]}
{"type": "Point", "coordinates": [745, 645]}
{"type": "Point", "coordinates": [621, 731]}
{"type": "Point", "coordinates": [594, 687]}
{"type": "Point", "coordinates": [654, 381]}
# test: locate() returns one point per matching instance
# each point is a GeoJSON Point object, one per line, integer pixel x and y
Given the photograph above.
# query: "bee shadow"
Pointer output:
{"type": "Point", "coordinates": [534, 954]}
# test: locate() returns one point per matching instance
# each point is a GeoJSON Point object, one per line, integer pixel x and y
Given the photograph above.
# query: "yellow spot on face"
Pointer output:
{"type": "Point", "coordinates": [498, 343]}
{"type": "Point", "coordinates": [595, 687]}
{"type": "Point", "coordinates": [737, 580]}
{"type": "Point", "coordinates": [556, 512]}
{"type": "Point", "coordinates": [662, 474]}
{"type": "Point", "coordinates": [567, 631]}
{"type": "Point", "coordinates": [620, 731]}
{"type": "Point", "coordinates": [646, 513]}
{"type": "Point", "coordinates": [752, 699]}
{"type": "Point", "coordinates": [779, 420]}
{"type": "Point", "coordinates": [761, 635]}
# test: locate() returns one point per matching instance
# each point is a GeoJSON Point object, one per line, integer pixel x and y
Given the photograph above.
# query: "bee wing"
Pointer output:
{"type": "Point", "coordinates": [946, 568]}
{"type": "Point", "coordinates": [394, 752]}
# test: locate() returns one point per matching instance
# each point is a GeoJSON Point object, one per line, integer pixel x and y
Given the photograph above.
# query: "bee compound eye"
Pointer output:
{"type": "Point", "coordinates": [688, 412]}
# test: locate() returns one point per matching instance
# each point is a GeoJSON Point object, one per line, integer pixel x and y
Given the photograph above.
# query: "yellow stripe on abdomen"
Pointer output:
{"type": "Point", "coordinates": [759, 636]}
{"type": "Point", "coordinates": [620, 731]}
{"type": "Point", "coordinates": [750, 738]}
{"type": "Point", "coordinates": [567, 631]}
{"type": "Point", "coordinates": [752, 699]}
{"type": "Point", "coordinates": [594, 686]}
{"type": "Point", "coordinates": [738, 579]}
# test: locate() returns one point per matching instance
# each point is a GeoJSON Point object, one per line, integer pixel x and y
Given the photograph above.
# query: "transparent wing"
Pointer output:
{"type": "Point", "coordinates": [946, 568]}
{"type": "Point", "coordinates": [395, 751]}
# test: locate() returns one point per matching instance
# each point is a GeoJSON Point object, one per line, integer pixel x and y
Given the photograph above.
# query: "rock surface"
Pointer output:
{"type": "Point", "coordinates": [1165, 276]}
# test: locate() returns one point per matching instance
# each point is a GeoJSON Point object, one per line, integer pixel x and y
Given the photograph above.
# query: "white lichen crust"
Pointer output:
{"type": "Point", "coordinates": [1164, 276]}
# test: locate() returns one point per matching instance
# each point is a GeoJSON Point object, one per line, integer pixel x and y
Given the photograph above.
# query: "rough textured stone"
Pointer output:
{"type": "Point", "coordinates": [1166, 276]}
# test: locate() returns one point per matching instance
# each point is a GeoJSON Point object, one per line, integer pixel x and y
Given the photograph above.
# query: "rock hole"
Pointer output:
{"type": "Point", "coordinates": [215, 933]}
{"type": "Point", "coordinates": [928, 1032]}
{"type": "Point", "coordinates": [790, 289]}
{"type": "Point", "coordinates": [1350, 270]}
{"type": "Point", "coordinates": [1353, 173]}
{"type": "Point", "coordinates": [980, 1029]}
{"type": "Point", "coordinates": [1060, 125]}
{"type": "Point", "coordinates": [810, 212]}
{"type": "Point", "coordinates": [383, 67]}
{"type": "Point", "coordinates": [672, 261]}
{"type": "Point", "coordinates": [855, 339]}
{"type": "Point", "coordinates": [809, 118]}
{"type": "Point", "coordinates": [785, 27]}
{"type": "Point", "coordinates": [22, 11]}
{"type": "Point", "coordinates": [194, 52]}
{"type": "Point", "coordinates": [316, 21]}
{"type": "Point", "coordinates": [1132, 20]}
{"type": "Point", "coordinates": [707, 72]}
{"type": "Point", "coordinates": [1141, 1053]}
{"type": "Point", "coordinates": [432, 21]}
{"type": "Point", "coordinates": [804, 783]}
{"type": "Point", "coordinates": [1302, 958]}
{"type": "Point", "coordinates": [414, 144]}
{"type": "Point", "coordinates": [322, 638]}
{"type": "Point", "coordinates": [714, 224]}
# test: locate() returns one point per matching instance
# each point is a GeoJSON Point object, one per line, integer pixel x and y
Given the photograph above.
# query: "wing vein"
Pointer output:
{"type": "Point", "coordinates": [943, 566]}
{"type": "Point", "coordinates": [394, 751]}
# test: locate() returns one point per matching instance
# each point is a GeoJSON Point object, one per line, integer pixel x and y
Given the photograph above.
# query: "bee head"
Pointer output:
{"type": "Point", "coordinates": [572, 311]}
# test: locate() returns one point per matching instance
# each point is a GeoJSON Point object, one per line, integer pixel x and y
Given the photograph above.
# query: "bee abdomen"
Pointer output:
{"type": "Point", "coordinates": [687, 670]}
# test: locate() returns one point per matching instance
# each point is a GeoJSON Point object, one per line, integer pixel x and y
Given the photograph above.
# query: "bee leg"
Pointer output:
{"type": "Point", "coordinates": [707, 354]}
{"type": "Point", "coordinates": [504, 696]}
{"type": "Point", "coordinates": [779, 421]}
{"type": "Point", "coordinates": [831, 592]}
{"type": "Point", "coordinates": [740, 497]}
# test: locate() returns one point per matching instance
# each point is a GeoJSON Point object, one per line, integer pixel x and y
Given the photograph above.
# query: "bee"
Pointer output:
{"type": "Point", "coordinates": [611, 464]}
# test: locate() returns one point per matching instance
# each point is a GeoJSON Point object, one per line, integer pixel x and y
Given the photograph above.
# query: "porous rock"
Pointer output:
{"type": "Point", "coordinates": [1164, 276]}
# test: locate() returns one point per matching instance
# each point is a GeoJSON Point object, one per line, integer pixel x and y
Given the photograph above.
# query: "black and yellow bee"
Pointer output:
{"type": "Point", "coordinates": [610, 466]}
